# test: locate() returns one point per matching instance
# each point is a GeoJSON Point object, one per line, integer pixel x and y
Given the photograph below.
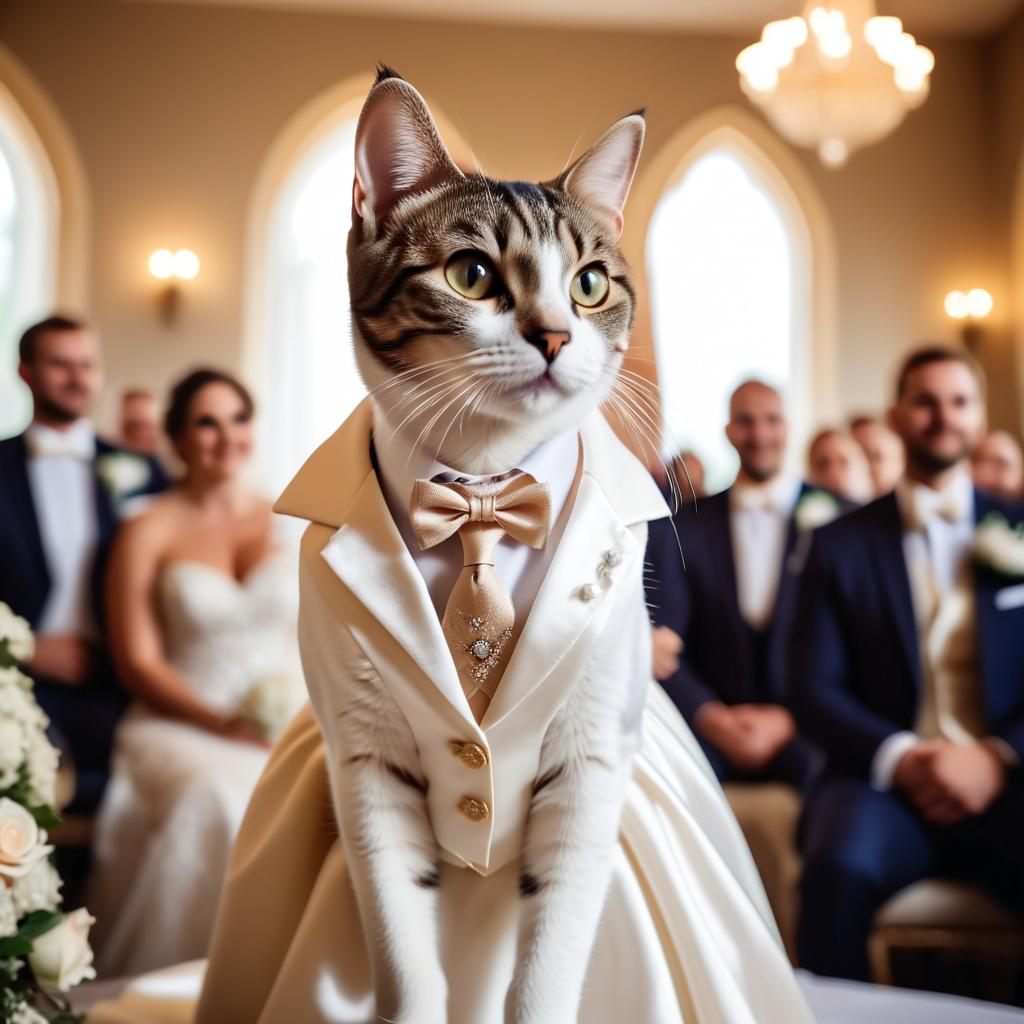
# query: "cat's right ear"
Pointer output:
{"type": "Point", "coordinates": [399, 151]}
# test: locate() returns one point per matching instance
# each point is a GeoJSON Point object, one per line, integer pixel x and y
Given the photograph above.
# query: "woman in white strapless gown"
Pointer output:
{"type": "Point", "coordinates": [204, 605]}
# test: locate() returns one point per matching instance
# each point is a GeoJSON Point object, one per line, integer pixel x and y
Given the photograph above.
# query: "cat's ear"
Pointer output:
{"type": "Point", "coordinates": [601, 177]}
{"type": "Point", "coordinates": [398, 149]}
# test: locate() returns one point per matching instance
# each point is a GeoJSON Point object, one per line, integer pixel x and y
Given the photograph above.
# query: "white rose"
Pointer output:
{"type": "Point", "coordinates": [42, 760]}
{"type": "Point", "coordinates": [816, 508]}
{"type": "Point", "coordinates": [22, 842]}
{"type": "Point", "coordinates": [12, 751]}
{"type": "Point", "coordinates": [12, 678]}
{"type": "Point", "coordinates": [62, 958]}
{"type": "Point", "coordinates": [17, 632]}
{"type": "Point", "coordinates": [17, 704]}
{"type": "Point", "coordinates": [38, 890]}
{"type": "Point", "coordinates": [996, 544]}
{"type": "Point", "coordinates": [8, 913]}
{"type": "Point", "coordinates": [123, 473]}
{"type": "Point", "coordinates": [25, 1014]}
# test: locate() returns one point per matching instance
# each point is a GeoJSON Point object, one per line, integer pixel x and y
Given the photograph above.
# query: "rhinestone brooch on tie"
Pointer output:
{"type": "Point", "coordinates": [485, 647]}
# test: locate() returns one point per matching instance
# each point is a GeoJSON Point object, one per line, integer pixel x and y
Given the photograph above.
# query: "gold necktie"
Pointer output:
{"type": "Point", "coordinates": [479, 619]}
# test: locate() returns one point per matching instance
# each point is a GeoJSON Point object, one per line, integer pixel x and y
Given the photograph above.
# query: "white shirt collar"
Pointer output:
{"type": "Point", "coordinates": [80, 436]}
{"type": "Point", "coordinates": [779, 494]}
{"type": "Point", "coordinates": [958, 494]}
{"type": "Point", "coordinates": [554, 463]}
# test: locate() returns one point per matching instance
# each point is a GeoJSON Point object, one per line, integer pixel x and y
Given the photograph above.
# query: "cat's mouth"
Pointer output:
{"type": "Point", "coordinates": [543, 383]}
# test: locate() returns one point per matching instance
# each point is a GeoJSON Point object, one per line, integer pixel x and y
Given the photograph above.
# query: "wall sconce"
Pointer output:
{"type": "Point", "coordinates": [171, 268]}
{"type": "Point", "coordinates": [970, 307]}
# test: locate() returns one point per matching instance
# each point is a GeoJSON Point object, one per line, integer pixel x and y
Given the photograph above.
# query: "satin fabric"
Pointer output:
{"type": "Point", "coordinates": [686, 933]}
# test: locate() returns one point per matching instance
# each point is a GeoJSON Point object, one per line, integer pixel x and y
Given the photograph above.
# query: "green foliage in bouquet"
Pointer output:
{"type": "Point", "coordinates": [43, 951]}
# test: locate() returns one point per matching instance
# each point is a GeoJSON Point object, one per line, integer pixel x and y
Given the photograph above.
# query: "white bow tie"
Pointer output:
{"type": "Point", "coordinates": [927, 505]}
{"type": "Point", "coordinates": [755, 499]}
{"type": "Point", "coordinates": [54, 444]}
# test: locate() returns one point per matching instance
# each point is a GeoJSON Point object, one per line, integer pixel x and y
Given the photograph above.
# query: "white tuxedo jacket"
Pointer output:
{"type": "Point", "coordinates": [365, 609]}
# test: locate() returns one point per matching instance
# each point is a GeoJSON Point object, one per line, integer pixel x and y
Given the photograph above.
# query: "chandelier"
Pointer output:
{"type": "Point", "coordinates": [836, 79]}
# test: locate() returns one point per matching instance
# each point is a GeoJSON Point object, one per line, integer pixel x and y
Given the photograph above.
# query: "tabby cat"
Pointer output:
{"type": "Point", "coordinates": [489, 317]}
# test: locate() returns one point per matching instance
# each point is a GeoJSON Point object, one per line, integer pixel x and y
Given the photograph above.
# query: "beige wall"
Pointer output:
{"type": "Point", "coordinates": [174, 107]}
{"type": "Point", "coordinates": [1007, 126]}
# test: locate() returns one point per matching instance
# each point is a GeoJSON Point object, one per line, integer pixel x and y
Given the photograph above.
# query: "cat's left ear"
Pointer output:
{"type": "Point", "coordinates": [601, 177]}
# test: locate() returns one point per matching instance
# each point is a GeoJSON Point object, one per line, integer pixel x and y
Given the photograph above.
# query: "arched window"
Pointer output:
{"type": "Point", "coordinates": [299, 352]}
{"type": "Point", "coordinates": [310, 383]}
{"type": "Point", "coordinates": [728, 265]}
{"type": "Point", "coordinates": [28, 227]}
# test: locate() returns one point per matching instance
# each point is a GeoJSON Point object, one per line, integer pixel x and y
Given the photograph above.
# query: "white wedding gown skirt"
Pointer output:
{"type": "Point", "coordinates": [178, 793]}
{"type": "Point", "coordinates": [686, 934]}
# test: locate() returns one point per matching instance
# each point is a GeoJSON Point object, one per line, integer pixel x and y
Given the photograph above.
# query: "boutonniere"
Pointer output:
{"type": "Point", "coordinates": [814, 509]}
{"type": "Point", "coordinates": [122, 473]}
{"type": "Point", "coordinates": [999, 546]}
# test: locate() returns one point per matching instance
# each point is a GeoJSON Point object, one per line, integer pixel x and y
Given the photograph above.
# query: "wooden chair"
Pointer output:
{"type": "Point", "coordinates": [768, 813]}
{"type": "Point", "coordinates": [944, 915]}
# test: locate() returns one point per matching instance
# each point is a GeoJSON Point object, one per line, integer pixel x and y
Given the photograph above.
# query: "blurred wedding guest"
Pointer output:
{"type": "Point", "coordinates": [837, 463]}
{"type": "Point", "coordinates": [722, 622]}
{"type": "Point", "coordinates": [681, 478]}
{"type": "Point", "coordinates": [883, 449]}
{"type": "Point", "coordinates": [62, 493]}
{"type": "Point", "coordinates": [203, 600]}
{"type": "Point", "coordinates": [997, 465]}
{"type": "Point", "coordinates": [140, 422]}
{"type": "Point", "coordinates": [689, 472]}
{"type": "Point", "coordinates": [908, 669]}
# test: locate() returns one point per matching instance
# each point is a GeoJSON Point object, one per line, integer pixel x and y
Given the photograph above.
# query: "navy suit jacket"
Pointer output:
{"type": "Point", "coordinates": [24, 575]}
{"type": "Point", "coordinates": [723, 657]}
{"type": "Point", "coordinates": [855, 667]}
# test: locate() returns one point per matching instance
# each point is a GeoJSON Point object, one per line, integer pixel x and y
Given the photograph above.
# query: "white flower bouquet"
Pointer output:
{"type": "Point", "coordinates": [272, 702]}
{"type": "Point", "coordinates": [43, 952]}
{"type": "Point", "coordinates": [999, 546]}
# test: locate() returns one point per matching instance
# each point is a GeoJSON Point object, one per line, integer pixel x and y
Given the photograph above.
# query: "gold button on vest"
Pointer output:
{"type": "Point", "coordinates": [472, 755]}
{"type": "Point", "coordinates": [474, 809]}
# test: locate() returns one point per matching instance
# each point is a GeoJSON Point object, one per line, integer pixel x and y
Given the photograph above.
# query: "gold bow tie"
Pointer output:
{"type": "Point", "coordinates": [929, 505]}
{"type": "Point", "coordinates": [479, 619]}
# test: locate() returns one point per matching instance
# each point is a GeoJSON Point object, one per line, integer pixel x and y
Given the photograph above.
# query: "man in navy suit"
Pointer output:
{"type": "Point", "coordinates": [721, 588]}
{"type": "Point", "coordinates": [62, 491]}
{"type": "Point", "coordinates": [907, 667]}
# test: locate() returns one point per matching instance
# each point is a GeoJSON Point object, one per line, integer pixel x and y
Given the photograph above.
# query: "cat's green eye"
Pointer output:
{"type": "Point", "coordinates": [472, 275]}
{"type": "Point", "coordinates": [589, 287]}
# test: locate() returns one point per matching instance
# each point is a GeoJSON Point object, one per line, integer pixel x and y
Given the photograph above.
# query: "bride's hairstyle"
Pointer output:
{"type": "Point", "coordinates": [189, 386]}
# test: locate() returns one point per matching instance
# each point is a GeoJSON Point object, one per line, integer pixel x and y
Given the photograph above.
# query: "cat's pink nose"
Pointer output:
{"type": "Point", "coordinates": [549, 342]}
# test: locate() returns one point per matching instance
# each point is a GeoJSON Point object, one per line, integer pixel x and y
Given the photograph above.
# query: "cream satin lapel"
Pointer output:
{"type": "Point", "coordinates": [574, 591]}
{"type": "Point", "coordinates": [369, 556]}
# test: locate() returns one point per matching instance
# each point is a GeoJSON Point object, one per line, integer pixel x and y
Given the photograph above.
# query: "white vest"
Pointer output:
{"type": "Point", "coordinates": [951, 704]}
{"type": "Point", "coordinates": [366, 609]}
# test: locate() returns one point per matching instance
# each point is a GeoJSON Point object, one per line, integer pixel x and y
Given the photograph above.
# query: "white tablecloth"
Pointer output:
{"type": "Point", "coordinates": [832, 1001]}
